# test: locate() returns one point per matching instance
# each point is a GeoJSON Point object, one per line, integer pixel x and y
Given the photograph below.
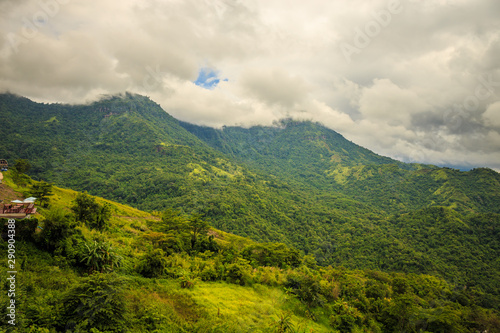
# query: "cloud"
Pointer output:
{"type": "Point", "coordinates": [424, 88]}
{"type": "Point", "coordinates": [274, 86]}
{"type": "Point", "coordinates": [492, 115]}
{"type": "Point", "coordinates": [390, 103]}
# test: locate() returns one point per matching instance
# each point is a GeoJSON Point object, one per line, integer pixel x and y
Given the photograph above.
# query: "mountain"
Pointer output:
{"type": "Point", "coordinates": [128, 149]}
{"type": "Point", "coordinates": [297, 182]}
{"type": "Point", "coordinates": [312, 154]}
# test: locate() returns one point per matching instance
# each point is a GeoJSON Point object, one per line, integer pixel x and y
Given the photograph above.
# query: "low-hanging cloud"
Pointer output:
{"type": "Point", "coordinates": [274, 86]}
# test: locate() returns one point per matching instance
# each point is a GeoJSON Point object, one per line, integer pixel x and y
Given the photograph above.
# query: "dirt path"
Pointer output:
{"type": "Point", "coordinates": [7, 194]}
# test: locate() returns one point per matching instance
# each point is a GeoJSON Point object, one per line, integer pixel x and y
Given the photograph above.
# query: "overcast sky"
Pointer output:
{"type": "Point", "coordinates": [417, 80]}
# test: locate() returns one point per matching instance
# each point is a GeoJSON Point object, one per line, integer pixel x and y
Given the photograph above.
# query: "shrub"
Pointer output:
{"type": "Point", "coordinates": [306, 288]}
{"type": "Point", "coordinates": [346, 317]}
{"type": "Point", "coordinates": [268, 275]}
{"type": "Point", "coordinates": [239, 272]}
{"type": "Point", "coordinates": [153, 264]}
{"type": "Point", "coordinates": [25, 229]}
{"type": "Point", "coordinates": [284, 323]}
{"type": "Point", "coordinates": [96, 303]}
{"type": "Point", "coordinates": [187, 282]}
{"type": "Point", "coordinates": [209, 273]}
{"type": "Point", "coordinates": [100, 257]}
{"type": "Point", "coordinates": [57, 226]}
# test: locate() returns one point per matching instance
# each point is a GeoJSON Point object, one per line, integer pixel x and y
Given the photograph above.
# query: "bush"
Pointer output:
{"type": "Point", "coordinates": [57, 226]}
{"type": "Point", "coordinates": [153, 264]}
{"type": "Point", "coordinates": [100, 257]}
{"type": "Point", "coordinates": [239, 272]}
{"type": "Point", "coordinates": [209, 273]}
{"type": "Point", "coordinates": [207, 244]}
{"type": "Point", "coordinates": [187, 282]}
{"type": "Point", "coordinates": [96, 303]}
{"type": "Point", "coordinates": [25, 229]}
{"type": "Point", "coordinates": [88, 211]}
{"type": "Point", "coordinates": [267, 275]}
{"type": "Point", "coordinates": [346, 317]}
{"type": "Point", "coordinates": [306, 288]}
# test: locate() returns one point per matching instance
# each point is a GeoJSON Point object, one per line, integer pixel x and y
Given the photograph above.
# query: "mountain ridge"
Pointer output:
{"type": "Point", "coordinates": [319, 158]}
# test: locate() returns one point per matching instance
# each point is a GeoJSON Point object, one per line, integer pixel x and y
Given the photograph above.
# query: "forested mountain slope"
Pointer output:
{"type": "Point", "coordinates": [312, 154]}
{"type": "Point", "coordinates": [128, 149]}
{"type": "Point", "coordinates": [297, 182]}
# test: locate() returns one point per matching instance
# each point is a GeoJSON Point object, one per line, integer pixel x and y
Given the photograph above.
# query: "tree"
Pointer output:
{"type": "Point", "coordinates": [102, 217]}
{"type": "Point", "coordinates": [198, 227]}
{"type": "Point", "coordinates": [173, 221]}
{"type": "Point", "coordinates": [174, 225]}
{"type": "Point", "coordinates": [42, 191]}
{"type": "Point", "coordinates": [98, 303]}
{"type": "Point", "coordinates": [153, 264]}
{"type": "Point", "coordinates": [88, 211]}
{"type": "Point", "coordinates": [57, 226]}
{"type": "Point", "coordinates": [84, 207]}
{"type": "Point", "coordinates": [171, 233]}
{"type": "Point", "coordinates": [21, 166]}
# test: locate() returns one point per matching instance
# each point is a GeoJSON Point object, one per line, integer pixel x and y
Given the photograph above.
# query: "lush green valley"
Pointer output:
{"type": "Point", "coordinates": [378, 222]}
{"type": "Point", "coordinates": [171, 272]}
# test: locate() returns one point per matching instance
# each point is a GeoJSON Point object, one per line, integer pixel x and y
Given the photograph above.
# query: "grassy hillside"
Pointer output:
{"type": "Point", "coordinates": [240, 286]}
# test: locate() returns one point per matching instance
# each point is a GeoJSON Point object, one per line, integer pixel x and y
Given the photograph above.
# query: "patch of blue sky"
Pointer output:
{"type": "Point", "coordinates": [208, 78]}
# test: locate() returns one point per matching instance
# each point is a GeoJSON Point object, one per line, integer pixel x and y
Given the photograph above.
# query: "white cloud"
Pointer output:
{"type": "Point", "coordinates": [390, 103]}
{"type": "Point", "coordinates": [274, 86]}
{"type": "Point", "coordinates": [492, 115]}
{"type": "Point", "coordinates": [280, 59]}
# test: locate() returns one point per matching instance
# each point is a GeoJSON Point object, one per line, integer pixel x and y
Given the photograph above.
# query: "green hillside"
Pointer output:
{"type": "Point", "coordinates": [149, 279]}
{"type": "Point", "coordinates": [128, 149]}
{"type": "Point", "coordinates": [311, 154]}
{"type": "Point", "coordinates": [297, 183]}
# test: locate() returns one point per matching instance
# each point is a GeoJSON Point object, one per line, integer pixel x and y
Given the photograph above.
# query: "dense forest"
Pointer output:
{"type": "Point", "coordinates": [87, 264]}
{"type": "Point", "coordinates": [337, 216]}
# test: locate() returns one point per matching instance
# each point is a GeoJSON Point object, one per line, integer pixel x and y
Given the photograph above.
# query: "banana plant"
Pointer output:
{"type": "Point", "coordinates": [100, 257]}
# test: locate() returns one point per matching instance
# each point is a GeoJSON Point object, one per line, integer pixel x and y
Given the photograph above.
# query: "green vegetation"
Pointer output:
{"type": "Point", "coordinates": [88, 211]}
{"type": "Point", "coordinates": [308, 154]}
{"type": "Point", "coordinates": [122, 279]}
{"type": "Point", "coordinates": [96, 304]}
{"type": "Point", "coordinates": [331, 235]}
{"type": "Point", "coordinates": [19, 171]}
{"type": "Point", "coordinates": [42, 191]}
